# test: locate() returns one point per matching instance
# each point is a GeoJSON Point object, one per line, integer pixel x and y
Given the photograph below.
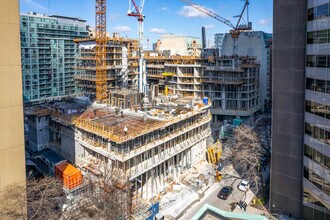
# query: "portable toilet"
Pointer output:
{"type": "Point", "coordinates": [205, 100]}
{"type": "Point", "coordinates": [237, 122]}
{"type": "Point", "coordinates": [70, 176]}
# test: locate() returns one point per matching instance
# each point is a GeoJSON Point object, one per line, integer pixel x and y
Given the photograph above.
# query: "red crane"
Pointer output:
{"type": "Point", "coordinates": [136, 11]}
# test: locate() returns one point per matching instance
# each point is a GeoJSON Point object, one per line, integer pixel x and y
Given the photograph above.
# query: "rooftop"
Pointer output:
{"type": "Point", "coordinates": [208, 212]}
{"type": "Point", "coordinates": [51, 156]}
{"type": "Point", "coordinates": [110, 122]}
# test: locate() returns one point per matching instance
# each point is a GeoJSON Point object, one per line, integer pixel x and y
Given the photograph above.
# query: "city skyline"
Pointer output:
{"type": "Point", "coordinates": [171, 16]}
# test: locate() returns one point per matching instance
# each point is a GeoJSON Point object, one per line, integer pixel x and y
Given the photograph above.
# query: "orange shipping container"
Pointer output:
{"type": "Point", "coordinates": [69, 175]}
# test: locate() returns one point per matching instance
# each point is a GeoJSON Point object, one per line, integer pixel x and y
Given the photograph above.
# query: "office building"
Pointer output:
{"type": "Point", "coordinates": [48, 55]}
{"type": "Point", "coordinates": [316, 181]}
{"type": "Point", "coordinates": [301, 126]}
{"type": "Point", "coordinates": [181, 45]}
{"type": "Point", "coordinates": [218, 40]}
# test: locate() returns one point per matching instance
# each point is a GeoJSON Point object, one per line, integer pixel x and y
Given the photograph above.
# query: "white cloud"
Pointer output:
{"type": "Point", "coordinates": [164, 8]}
{"type": "Point", "coordinates": [264, 21]}
{"type": "Point", "coordinates": [157, 31]}
{"type": "Point", "coordinates": [210, 26]}
{"type": "Point", "coordinates": [35, 5]}
{"type": "Point", "coordinates": [122, 28]}
{"type": "Point", "coordinates": [190, 12]}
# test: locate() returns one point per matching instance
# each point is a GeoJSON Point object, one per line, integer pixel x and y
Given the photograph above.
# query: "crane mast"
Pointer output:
{"type": "Point", "coordinates": [136, 11]}
{"type": "Point", "coordinates": [100, 50]}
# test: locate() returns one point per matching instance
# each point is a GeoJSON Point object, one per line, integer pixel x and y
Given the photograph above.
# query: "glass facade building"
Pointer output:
{"type": "Point", "coordinates": [218, 40]}
{"type": "Point", "coordinates": [48, 55]}
{"type": "Point", "coordinates": [316, 180]}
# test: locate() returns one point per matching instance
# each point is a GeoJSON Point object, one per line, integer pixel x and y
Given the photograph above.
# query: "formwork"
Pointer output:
{"type": "Point", "coordinates": [124, 98]}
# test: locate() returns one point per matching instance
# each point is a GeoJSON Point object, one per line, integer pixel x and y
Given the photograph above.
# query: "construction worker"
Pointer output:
{"type": "Point", "coordinates": [125, 130]}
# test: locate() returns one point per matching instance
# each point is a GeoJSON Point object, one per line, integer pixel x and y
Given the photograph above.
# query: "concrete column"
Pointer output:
{"type": "Point", "coordinates": [223, 97]}
{"type": "Point", "coordinates": [288, 79]}
{"type": "Point", "coordinates": [12, 152]}
{"type": "Point", "coordinates": [157, 178]}
{"type": "Point", "coordinates": [147, 184]}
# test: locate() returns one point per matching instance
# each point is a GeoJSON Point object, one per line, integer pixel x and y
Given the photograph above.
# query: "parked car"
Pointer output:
{"type": "Point", "coordinates": [243, 185]}
{"type": "Point", "coordinates": [225, 192]}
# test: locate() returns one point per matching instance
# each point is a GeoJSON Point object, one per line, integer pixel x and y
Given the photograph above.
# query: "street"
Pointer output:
{"type": "Point", "coordinates": [212, 199]}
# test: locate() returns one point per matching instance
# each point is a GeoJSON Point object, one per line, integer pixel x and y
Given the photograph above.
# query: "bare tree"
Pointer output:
{"type": "Point", "coordinates": [37, 199]}
{"type": "Point", "coordinates": [13, 202]}
{"type": "Point", "coordinates": [107, 196]}
{"type": "Point", "coordinates": [45, 198]}
{"type": "Point", "coordinates": [246, 154]}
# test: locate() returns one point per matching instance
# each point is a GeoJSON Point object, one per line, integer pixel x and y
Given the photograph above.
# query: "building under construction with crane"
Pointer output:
{"type": "Point", "coordinates": [147, 127]}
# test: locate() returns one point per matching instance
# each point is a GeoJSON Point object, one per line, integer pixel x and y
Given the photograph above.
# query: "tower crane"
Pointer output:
{"type": "Point", "coordinates": [100, 50]}
{"type": "Point", "coordinates": [136, 11]}
{"type": "Point", "coordinates": [235, 29]}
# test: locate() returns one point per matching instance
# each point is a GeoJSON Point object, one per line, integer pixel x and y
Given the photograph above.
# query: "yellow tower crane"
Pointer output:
{"type": "Point", "coordinates": [100, 50]}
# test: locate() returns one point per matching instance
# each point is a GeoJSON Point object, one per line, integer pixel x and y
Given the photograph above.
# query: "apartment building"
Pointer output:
{"type": "Point", "coordinates": [48, 55]}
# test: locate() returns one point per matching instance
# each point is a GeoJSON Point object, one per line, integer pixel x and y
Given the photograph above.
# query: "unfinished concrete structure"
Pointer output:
{"type": "Point", "coordinates": [122, 65]}
{"type": "Point", "coordinates": [232, 83]}
{"type": "Point", "coordinates": [150, 148]}
{"type": "Point", "coordinates": [124, 98]}
{"type": "Point", "coordinates": [254, 43]}
{"type": "Point", "coordinates": [38, 133]}
{"type": "Point", "coordinates": [186, 79]}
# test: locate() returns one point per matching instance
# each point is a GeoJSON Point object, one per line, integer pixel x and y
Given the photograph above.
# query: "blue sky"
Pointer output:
{"type": "Point", "coordinates": [162, 16]}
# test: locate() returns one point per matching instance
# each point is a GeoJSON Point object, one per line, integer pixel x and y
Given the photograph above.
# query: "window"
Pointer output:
{"type": "Point", "coordinates": [321, 61]}
{"type": "Point", "coordinates": [318, 109]}
{"type": "Point", "coordinates": [318, 12]}
{"type": "Point", "coordinates": [322, 11]}
{"type": "Point", "coordinates": [322, 36]}
{"type": "Point", "coordinates": [310, 14]}
{"type": "Point", "coordinates": [311, 37]}
{"type": "Point", "coordinates": [311, 61]}
{"type": "Point", "coordinates": [317, 180]}
{"type": "Point", "coordinates": [318, 133]}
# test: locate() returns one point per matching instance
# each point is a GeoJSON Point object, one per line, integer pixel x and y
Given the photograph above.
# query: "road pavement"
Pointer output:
{"type": "Point", "coordinates": [211, 198]}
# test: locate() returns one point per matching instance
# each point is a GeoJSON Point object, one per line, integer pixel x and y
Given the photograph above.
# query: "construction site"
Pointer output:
{"type": "Point", "coordinates": [144, 114]}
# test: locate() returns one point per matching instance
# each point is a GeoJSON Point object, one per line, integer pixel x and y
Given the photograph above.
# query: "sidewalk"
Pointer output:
{"type": "Point", "coordinates": [250, 195]}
